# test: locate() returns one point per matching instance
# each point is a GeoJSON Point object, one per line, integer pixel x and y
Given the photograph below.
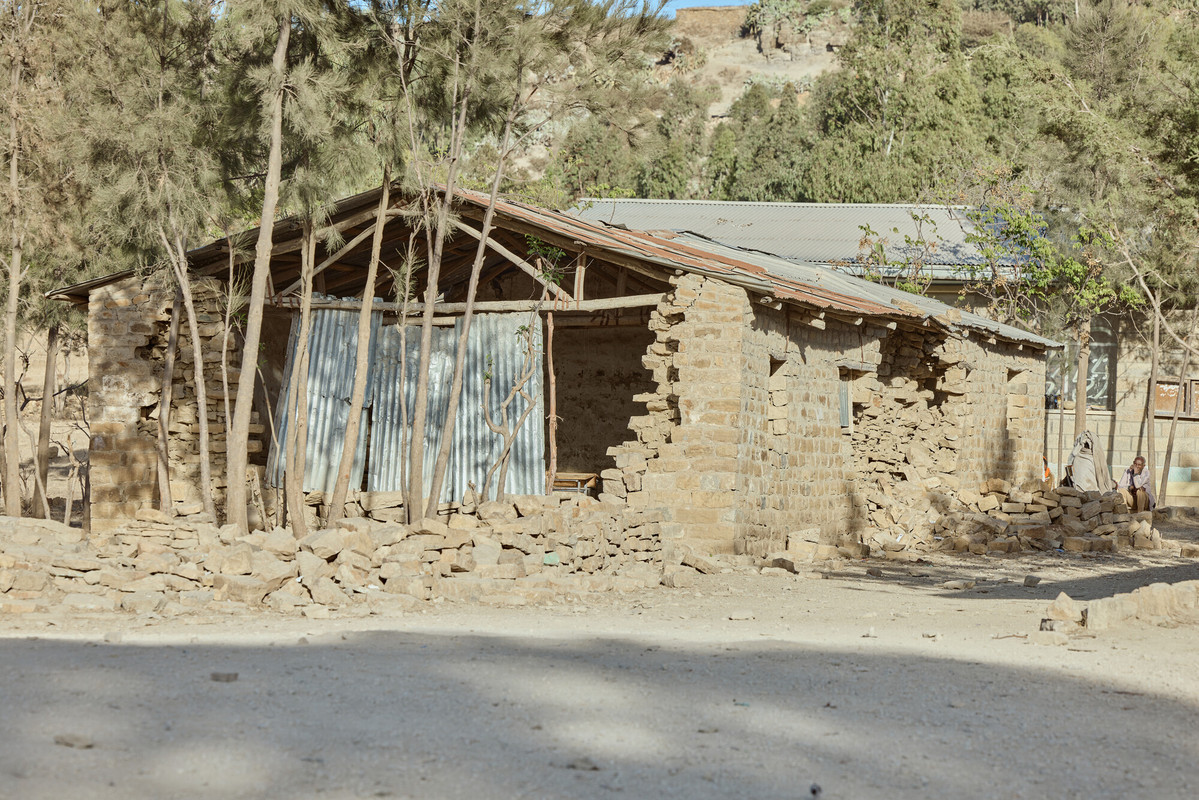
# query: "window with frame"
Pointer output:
{"type": "Point", "coordinates": [1061, 371]}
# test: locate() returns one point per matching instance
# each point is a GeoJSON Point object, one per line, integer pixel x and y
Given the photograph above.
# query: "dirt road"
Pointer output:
{"type": "Point", "coordinates": [746, 686]}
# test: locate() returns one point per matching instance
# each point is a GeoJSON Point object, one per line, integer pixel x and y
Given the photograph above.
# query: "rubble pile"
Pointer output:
{"type": "Point", "coordinates": [531, 550]}
{"type": "Point", "coordinates": [999, 517]}
{"type": "Point", "coordinates": [1006, 518]}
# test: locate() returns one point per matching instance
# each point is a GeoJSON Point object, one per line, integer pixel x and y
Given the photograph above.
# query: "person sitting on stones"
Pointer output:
{"type": "Point", "coordinates": [1136, 486]}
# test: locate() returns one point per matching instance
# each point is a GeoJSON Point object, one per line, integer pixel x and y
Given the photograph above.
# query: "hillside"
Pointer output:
{"type": "Point", "coordinates": [717, 49]}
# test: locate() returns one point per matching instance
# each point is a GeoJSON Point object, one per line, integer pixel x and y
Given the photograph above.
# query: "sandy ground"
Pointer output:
{"type": "Point", "coordinates": [745, 686]}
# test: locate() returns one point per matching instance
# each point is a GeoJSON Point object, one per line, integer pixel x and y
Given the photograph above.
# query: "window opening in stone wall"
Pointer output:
{"type": "Point", "coordinates": [779, 400]}
{"type": "Point", "coordinates": [1061, 371]}
{"type": "Point", "coordinates": [843, 401]}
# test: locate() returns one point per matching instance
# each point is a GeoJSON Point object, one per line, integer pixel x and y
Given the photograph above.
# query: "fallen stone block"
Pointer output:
{"type": "Point", "coordinates": [89, 602]}
{"type": "Point", "coordinates": [144, 602]}
{"type": "Point", "coordinates": [237, 560]}
{"type": "Point", "coordinates": [327, 593]}
{"type": "Point", "coordinates": [288, 598]}
{"type": "Point", "coordinates": [700, 563]}
{"type": "Point", "coordinates": [313, 567]}
{"type": "Point", "coordinates": [240, 588]}
{"type": "Point", "coordinates": [413, 586]}
{"type": "Point", "coordinates": [495, 511]}
{"type": "Point", "coordinates": [1048, 638]}
{"type": "Point", "coordinates": [325, 544]}
{"type": "Point", "coordinates": [1065, 608]}
{"type": "Point", "coordinates": [280, 542]}
{"type": "Point", "coordinates": [1107, 612]}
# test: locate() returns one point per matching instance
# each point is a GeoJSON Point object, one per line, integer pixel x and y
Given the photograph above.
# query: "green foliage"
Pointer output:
{"type": "Point", "coordinates": [549, 259]}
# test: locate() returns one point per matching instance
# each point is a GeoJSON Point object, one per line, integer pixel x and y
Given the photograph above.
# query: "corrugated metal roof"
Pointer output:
{"type": "Point", "coordinates": [668, 251]}
{"type": "Point", "coordinates": [877, 292]}
{"type": "Point", "coordinates": [817, 233]}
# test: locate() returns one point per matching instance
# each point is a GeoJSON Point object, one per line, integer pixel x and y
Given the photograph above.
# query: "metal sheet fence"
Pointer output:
{"type": "Point", "coordinates": [504, 347]}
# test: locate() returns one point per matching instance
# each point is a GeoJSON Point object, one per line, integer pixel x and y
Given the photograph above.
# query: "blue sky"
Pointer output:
{"type": "Point", "coordinates": [673, 4]}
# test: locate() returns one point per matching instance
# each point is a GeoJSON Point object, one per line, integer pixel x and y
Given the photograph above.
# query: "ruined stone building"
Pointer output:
{"type": "Point", "coordinates": [732, 397]}
{"type": "Point", "coordinates": [831, 235]}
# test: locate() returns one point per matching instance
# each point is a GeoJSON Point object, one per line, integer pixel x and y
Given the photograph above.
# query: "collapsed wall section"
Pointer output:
{"type": "Point", "coordinates": [940, 415]}
{"type": "Point", "coordinates": [128, 333]}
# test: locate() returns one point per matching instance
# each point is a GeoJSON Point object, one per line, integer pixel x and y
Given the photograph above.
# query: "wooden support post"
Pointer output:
{"type": "Point", "coordinates": [580, 276]}
{"type": "Point", "coordinates": [552, 473]}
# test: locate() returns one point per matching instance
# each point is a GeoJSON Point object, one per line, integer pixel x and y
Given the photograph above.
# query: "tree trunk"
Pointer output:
{"type": "Point", "coordinates": [228, 322]}
{"type": "Point", "coordinates": [239, 431]}
{"type": "Point", "coordinates": [1164, 492]}
{"type": "Point", "coordinates": [47, 407]}
{"type": "Point", "coordinates": [12, 444]}
{"type": "Point", "coordinates": [1080, 383]}
{"type": "Point", "coordinates": [193, 330]}
{"type": "Point", "coordinates": [1061, 420]}
{"type": "Point", "coordinates": [362, 357]}
{"type": "Point", "coordinates": [414, 501]}
{"type": "Point", "coordinates": [165, 395]}
{"type": "Point", "coordinates": [297, 407]}
{"type": "Point", "coordinates": [1151, 396]}
{"type": "Point", "coordinates": [451, 417]}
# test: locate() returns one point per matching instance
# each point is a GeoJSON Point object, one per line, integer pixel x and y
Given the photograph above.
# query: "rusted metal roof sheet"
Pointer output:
{"type": "Point", "coordinates": [671, 252]}
{"type": "Point", "coordinates": [668, 251]}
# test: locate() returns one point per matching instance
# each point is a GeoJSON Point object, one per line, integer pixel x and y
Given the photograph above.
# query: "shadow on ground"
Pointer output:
{"type": "Point", "coordinates": [395, 714]}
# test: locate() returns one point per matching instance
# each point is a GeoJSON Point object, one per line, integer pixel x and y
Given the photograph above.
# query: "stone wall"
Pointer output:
{"type": "Point", "coordinates": [741, 442]}
{"type": "Point", "coordinates": [940, 415]}
{"type": "Point", "coordinates": [128, 326]}
{"type": "Point", "coordinates": [599, 372]}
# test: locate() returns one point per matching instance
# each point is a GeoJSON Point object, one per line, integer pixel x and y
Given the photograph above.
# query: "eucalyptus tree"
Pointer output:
{"type": "Point", "coordinates": [900, 114]}
{"type": "Point", "coordinates": [285, 67]}
{"type": "Point", "coordinates": [40, 199]}
{"type": "Point", "coordinates": [141, 107]}
{"type": "Point", "coordinates": [468, 71]}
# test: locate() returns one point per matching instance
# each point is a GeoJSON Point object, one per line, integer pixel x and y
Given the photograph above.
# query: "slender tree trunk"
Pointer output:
{"type": "Point", "coordinates": [1151, 395]}
{"type": "Point", "coordinates": [228, 322]}
{"type": "Point", "coordinates": [239, 434]}
{"type": "Point", "coordinates": [193, 331]}
{"type": "Point", "coordinates": [415, 496]}
{"type": "Point", "coordinates": [1061, 419]}
{"type": "Point", "coordinates": [165, 396]}
{"type": "Point", "coordinates": [47, 407]}
{"type": "Point", "coordinates": [12, 443]}
{"type": "Point", "coordinates": [293, 475]}
{"type": "Point", "coordinates": [1164, 491]}
{"type": "Point", "coordinates": [362, 358]}
{"type": "Point", "coordinates": [1080, 384]}
{"type": "Point", "coordinates": [406, 286]}
{"type": "Point", "coordinates": [451, 417]}
{"type": "Point", "coordinates": [415, 500]}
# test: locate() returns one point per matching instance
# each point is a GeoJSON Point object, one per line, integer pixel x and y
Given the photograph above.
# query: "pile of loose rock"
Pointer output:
{"type": "Point", "coordinates": [907, 517]}
{"type": "Point", "coordinates": [1040, 518]}
{"type": "Point", "coordinates": [531, 550]}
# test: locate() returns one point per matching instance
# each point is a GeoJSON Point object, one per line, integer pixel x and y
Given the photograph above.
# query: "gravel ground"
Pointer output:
{"type": "Point", "coordinates": [744, 686]}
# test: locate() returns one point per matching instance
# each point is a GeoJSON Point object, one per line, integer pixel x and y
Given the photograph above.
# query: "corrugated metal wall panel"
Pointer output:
{"type": "Point", "coordinates": [333, 346]}
{"type": "Point", "coordinates": [498, 337]}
